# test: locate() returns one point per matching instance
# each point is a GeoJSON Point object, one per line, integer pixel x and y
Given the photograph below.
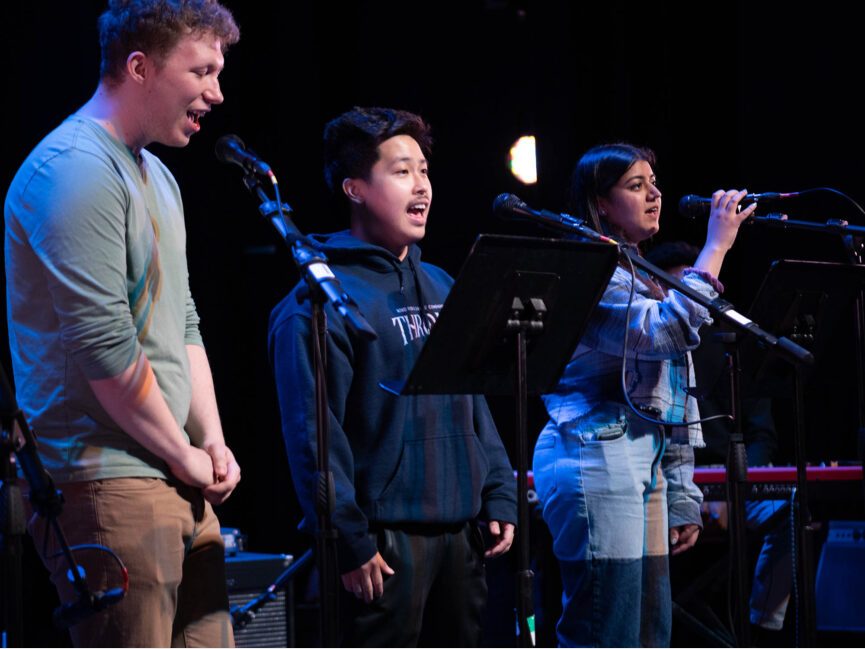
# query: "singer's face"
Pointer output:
{"type": "Point", "coordinates": [182, 89]}
{"type": "Point", "coordinates": [394, 201]}
{"type": "Point", "coordinates": [633, 205]}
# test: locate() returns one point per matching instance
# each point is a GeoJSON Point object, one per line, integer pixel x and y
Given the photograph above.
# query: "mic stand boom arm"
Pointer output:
{"type": "Point", "coordinates": [719, 308]}
{"type": "Point", "coordinates": [832, 226]}
{"type": "Point", "coordinates": [723, 310]}
{"type": "Point", "coordinates": [311, 263]}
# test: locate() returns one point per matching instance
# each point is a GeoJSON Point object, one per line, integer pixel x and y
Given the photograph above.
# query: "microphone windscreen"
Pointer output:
{"type": "Point", "coordinates": [504, 204]}
{"type": "Point", "coordinates": [225, 145]}
{"type": "Point", "coordinates": [692, 206]}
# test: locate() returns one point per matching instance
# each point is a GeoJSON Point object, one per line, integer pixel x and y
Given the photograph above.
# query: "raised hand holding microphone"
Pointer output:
{"type": "Point", "coordinates": [724, 221]}
{"type": "Point", "coordinates": [693, 206]}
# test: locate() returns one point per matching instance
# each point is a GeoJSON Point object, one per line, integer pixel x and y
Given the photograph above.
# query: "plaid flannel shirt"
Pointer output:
{"type": "Point", "coordinates": [659, 369]}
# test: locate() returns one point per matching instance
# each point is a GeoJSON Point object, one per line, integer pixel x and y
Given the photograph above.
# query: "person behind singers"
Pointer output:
{"type": "Point", "coordinates": [413, 474]}
{"type": "Point", "coordinates": [616, 491]}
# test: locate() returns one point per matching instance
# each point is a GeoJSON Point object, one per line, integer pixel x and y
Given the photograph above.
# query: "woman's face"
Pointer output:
{"type": "Point", "coordinates": [633, 205]}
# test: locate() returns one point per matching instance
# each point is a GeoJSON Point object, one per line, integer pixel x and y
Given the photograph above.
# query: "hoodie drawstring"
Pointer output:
{"type": "Point", "coordinates": [417, 288]}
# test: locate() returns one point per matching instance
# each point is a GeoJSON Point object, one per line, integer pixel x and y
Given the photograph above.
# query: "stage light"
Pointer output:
{"type": "Point", "coordinates": [522, 160]}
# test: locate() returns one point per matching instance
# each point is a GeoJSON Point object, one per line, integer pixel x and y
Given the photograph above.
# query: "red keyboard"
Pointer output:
{"type": "Point", "coordinates": [774, 482]}
{"type": "Point", "coordinates": [770, 482]}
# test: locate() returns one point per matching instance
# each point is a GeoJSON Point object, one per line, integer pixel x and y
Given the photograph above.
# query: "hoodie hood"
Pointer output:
{"type": "Point", "coordinates": [344, 248]}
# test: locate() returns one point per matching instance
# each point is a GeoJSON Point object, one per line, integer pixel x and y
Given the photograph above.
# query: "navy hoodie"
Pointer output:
{"type": "Point", "coordinates": [395, 459]}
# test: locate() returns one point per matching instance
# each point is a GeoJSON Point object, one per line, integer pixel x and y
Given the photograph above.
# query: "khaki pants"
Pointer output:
{"type": "Point", "coordinates": [169, 539]}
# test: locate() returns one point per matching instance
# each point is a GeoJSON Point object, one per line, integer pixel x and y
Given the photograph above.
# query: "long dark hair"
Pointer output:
{"type": "Point", "coordinates": [597, 172]}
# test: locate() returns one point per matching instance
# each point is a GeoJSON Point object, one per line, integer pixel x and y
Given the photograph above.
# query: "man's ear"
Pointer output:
{"type": "Point", "coordinates": [138, 66]}
{"type": "Point", "coordinates": [353, 188]}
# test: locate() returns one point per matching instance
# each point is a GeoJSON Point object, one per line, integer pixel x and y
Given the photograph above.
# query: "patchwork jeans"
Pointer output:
{"type": "Point", "coordinates": [604, 499]}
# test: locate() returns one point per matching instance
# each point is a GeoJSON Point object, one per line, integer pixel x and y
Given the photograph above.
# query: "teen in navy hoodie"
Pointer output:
{"type": "Point", "coordinates": [413, 474]}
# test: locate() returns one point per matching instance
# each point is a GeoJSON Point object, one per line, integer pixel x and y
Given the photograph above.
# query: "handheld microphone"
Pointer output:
{"type": "Point", "coordinates": [231, 149]}
{"type": "Point", "coordinates": [692, 206]}
{"type": "Point", "coordinates": [72, 613]}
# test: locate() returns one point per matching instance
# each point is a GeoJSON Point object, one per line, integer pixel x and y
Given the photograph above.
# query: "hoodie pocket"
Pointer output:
{"type": "Point", "coordinates": [439, 480]}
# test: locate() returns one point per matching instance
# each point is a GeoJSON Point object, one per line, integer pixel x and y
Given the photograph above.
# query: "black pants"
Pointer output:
{"type": "Point", "coordinates": [435, 599]}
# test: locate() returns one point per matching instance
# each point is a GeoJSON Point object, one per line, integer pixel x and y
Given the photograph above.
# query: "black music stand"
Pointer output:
{"type": "Point", "coordinates": [526, 294]}
{"type": "Point", "coordinates": [803, 300]}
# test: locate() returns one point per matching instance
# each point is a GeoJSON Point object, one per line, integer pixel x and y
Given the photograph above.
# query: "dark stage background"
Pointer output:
{"type": "Point", "coordinates": [735, 94]}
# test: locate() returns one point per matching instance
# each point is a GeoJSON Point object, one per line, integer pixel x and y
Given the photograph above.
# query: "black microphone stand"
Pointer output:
{"type": "Point", "coordinates": [718, 307]}
{"type": "Point", "coordinates": [243, 615]}
{"type": "Point", "coordinates": [526, 320]}
{"type": "Point", "coordinates": [737, 481]}
{"type": "Point", "coordinates": [322, 287]}
{"type": "Point", "coordinates": [46, 500]}
{"type": "Point", "coordinates": [853, 238]}
{"type": "Point", "coordinates": [737, 461]}
{"type": "Point", "coordinates": [855, 246]}
{"type": "Point", "coordinates": [737, 469]}
{"type": "Point", "coordinates": [722, 309]}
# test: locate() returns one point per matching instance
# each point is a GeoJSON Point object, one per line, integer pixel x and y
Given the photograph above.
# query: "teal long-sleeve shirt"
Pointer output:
{"type": "Point", "coordinates": [96, 274]}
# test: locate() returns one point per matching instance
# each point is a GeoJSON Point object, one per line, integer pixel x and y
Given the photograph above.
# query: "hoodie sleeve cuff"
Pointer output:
{"type": "Point", "coordinates": [503, 510]}
{"type": "Point", "coordinates": [355, 552]}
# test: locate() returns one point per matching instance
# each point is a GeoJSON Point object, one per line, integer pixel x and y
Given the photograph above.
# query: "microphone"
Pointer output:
{"type": "Point", "coordinates": [693, 207]}
{"type": "Point", "coordinates": [231, 149]}
{"type": "Point", "coordinates": [511, 206]}
{"type": "Point", "coordinates": [311, 262]}
{"type": "Point", "coordinates": [86, 605]}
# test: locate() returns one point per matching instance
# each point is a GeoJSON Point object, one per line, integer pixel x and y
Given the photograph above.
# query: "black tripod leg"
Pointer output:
{"type": "Point", "coordinates": [12, 530]}
{"type": "Point", "coordinates": [525, 589]}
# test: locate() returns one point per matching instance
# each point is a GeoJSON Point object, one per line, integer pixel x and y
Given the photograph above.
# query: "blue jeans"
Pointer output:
{"type": "Point", "coordinates": [604, 500]}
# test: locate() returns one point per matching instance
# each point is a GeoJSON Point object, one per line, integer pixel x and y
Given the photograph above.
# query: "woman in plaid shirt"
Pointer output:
{"type": "Point", "coordinates": [617, 492]}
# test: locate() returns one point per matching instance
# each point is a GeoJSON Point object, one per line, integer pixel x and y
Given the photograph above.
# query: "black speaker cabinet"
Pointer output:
{"type": "Point", "coordinates": [840, 588]}
{"type": "Point", "coordinates": [248, 574]}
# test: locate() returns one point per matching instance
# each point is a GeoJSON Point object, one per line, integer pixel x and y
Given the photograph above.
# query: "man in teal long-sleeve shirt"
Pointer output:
{"type": "Point", "coordinates": [108, 360]}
